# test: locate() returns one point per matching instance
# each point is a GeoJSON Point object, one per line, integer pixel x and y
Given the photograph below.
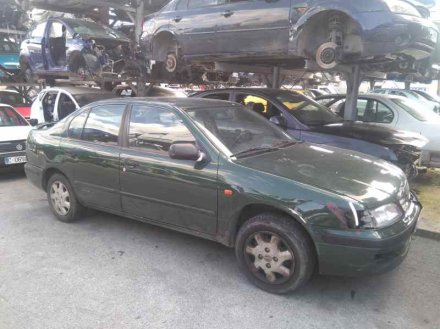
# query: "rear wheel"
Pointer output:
{"type": "Point", "coordinates": [62, 199]}
{"type": "Point", "coordinates": [275, 253]}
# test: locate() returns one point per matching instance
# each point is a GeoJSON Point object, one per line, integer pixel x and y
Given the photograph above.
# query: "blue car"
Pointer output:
{"type": "Point", "coordinates": [63, 47]}
{"type": "Point", "coordinates": [9, 54]}
{"type": "Point", "coordinates": [306, 120]}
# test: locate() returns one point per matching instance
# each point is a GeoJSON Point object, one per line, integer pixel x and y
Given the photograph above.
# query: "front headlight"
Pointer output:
{"type": "Point", "coordinates": [402, 7]}
{"type": "Point", "coordinates": [382, 216]}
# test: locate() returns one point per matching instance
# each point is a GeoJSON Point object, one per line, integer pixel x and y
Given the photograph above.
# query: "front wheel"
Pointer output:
{"type": "Point", "coordinates": [275, 253]}
{"type": "Point", "coordinates": [62, 199]}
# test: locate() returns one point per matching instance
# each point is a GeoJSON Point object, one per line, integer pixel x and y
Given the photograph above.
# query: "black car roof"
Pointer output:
{"type": "Point", "coordinates": [183, 103]}
{"type": "Point", "coordinates": [267, 91]}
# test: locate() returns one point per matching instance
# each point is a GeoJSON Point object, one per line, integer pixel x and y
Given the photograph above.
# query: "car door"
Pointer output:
{"type": "Point", "coordinates": [254, 27]}
{"type": "Point", "coordinates": [65, 105]}
{"type": "Point", "coordinates": [157, 188]}
{"type": "Point", "coordinates": [48, 106]}
{"type": "Point", "coordinates": [33, 46]}
{"type": "Point", "coordinates": [91, 156]}
{"type": "Point", "coordinates": [195, 23]}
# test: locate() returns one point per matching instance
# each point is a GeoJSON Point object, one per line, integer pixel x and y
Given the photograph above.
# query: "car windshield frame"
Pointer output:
{"type": "Point", "coordinates": [16, 121]}
{"type": "Point", "coordinates": [264, 141]}
{"type": "Point", "coordinates": [305, 102]}
{"type": "Point", "coordinates": [92, 29]}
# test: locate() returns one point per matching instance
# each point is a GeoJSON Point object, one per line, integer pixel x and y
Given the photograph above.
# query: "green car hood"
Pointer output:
{"type": "Point", "coordinates": [366, 179]}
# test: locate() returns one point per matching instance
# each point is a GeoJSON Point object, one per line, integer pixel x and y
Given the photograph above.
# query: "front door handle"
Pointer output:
{"type": "Point", "coordinates": [227, 13]}
{"type": "Point", "coordinates": [129, 166]}
{"type": "Point", "coordinates": [177, 19]}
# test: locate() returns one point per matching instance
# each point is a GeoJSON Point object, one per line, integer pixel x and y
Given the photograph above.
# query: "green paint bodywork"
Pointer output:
{"type": "Point", "coordinates": [304, 181]}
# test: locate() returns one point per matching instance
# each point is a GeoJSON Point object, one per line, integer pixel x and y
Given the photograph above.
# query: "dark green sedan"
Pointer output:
{"type": "Point", "coordinates": [219, 171]}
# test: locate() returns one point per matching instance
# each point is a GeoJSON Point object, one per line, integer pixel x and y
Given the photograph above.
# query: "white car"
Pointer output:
{"type": "Point", "coordinates": [412, 95]}
{"type": "Point", "coordinates": [55, 103]}
{"type": "Point", "coordinates": [398, 113]}
{"type": "Point", "coordinates": [14, 130]}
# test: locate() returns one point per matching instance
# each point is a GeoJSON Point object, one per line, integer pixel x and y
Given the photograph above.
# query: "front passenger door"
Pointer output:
{"type": "Point", "coordinates": [155, 187]}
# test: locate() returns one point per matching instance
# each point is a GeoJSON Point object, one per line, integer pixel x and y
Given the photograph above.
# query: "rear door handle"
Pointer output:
{"type": "Point", "coordinates": [227, 13]}
{"type": "Point", "coordinates": [177, 19]}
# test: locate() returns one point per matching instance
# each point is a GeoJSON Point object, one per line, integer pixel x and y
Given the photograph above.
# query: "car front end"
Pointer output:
{"type": "Point", "coordinates": [398, 28]}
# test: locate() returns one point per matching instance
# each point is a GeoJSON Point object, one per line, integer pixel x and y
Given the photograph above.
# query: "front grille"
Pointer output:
{"type": "Point", "coordinates": [13, 146]}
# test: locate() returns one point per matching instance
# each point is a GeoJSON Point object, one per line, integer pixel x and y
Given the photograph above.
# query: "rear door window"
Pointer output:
{"type": "Point", "coordinates": [103, 124]}
{"type": "Point", "coordinates": [155, 129]}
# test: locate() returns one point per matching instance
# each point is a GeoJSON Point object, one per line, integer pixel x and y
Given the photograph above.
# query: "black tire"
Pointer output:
{"type": "Point", "coordinates": [292, 239]}
{"type": "Point", "coordinates": [26, 73]}
{"type": "Point", "coordinates": [75, 209]}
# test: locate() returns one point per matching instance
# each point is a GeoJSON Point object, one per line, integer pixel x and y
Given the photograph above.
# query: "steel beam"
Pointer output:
{"type": "Point", "coordinates": [276, 78]}
{"type": "Point", "coordinates": [353, 83]}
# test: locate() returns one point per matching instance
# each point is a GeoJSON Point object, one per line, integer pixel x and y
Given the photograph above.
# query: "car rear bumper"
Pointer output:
{"type": "Point", "coordinates": [399, 34]}
{"type": "Point", "coordinates": [363, 252]}
{"type": "Point", "coordinates": [34, 174]}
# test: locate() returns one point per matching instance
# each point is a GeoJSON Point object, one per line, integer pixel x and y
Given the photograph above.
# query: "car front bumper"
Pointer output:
{"type": "Point", "coordinates": [363, 252]}
{"type": "Point", "coordinates": [4, 156]}
{"type": "Point", "coordinates": [398, 34]}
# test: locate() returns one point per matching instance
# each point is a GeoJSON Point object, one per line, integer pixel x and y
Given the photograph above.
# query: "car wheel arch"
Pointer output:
{"type": "Point", "coordinates": [48, 173]}
{"type": "Point", "coordinates": [161, 43]}
{"type": "Point", "coordinates": [305, 29]}
{"type": "Point", "coordinates": [254, 209]}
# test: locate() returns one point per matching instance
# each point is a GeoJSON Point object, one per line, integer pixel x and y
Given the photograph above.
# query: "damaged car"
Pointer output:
{"type": "Point", "coordinates": [285, 32]}
{"type": "Point", "coordinates": [306, 120]}
{"type": "Point", "coordinates": [62, 47]}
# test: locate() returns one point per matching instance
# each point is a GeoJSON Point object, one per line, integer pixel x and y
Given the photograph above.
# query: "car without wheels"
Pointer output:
{"type": "Point", "coordinates": [219, 171]}
{"type": "Point", "coordinates": [197, 33]}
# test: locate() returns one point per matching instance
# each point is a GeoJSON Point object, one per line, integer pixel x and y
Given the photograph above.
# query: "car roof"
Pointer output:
{"type": "Point", "coordinates": [179, 102]}
{"type": "Point", "coordinates": [268, 91]}
{"type": "Point", "coordinates": [79, 90]}
{"type": "Point", "coordinates": [368, 96]}
{"type": "Point", "coordinates": [7, 105]}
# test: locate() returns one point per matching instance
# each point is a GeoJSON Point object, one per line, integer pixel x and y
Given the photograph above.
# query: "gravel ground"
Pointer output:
{"type": "Point", "coordinates": [110, 272]}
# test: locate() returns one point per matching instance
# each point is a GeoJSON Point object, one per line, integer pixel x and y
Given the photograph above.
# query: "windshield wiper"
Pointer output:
{"type": "Point", "coordinates": [254, 150]}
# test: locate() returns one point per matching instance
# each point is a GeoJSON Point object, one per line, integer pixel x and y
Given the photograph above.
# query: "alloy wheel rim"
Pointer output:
{"type": "Point", "coordinates": [269, 257]}
{"type": "Point", "coordinates": [60, 198]}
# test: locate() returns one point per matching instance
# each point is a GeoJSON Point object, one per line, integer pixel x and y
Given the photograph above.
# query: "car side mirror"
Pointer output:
{"type": "Point", "coordinates": [186, 151]}
{"type": "Point", "coordinates": [279, 121]}
{"type": "Point", "coordinates": [33, 122]}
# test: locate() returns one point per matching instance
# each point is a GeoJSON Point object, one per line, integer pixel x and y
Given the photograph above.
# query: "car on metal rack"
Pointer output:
{"type": "Point", "coordinates": [14, 130]}
{"type": "Point", "coordinates": [9, 54]}
{"type": "Point", "coordinates": [219, 171]}
{"type": "Point", "coordinates": [198, 33]}
{"type": "Point", "coordinates": [60, 47]}
{"type": "Point", "coordinates": [306, 120]}
{"type": "Point", "coordinates": [395, 112]}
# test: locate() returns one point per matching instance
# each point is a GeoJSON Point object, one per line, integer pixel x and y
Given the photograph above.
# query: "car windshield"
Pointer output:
{"type": "Point", "coordinates": [85, 99]}
{"type": "Point", "coordinates": [7, 46]}
{"type": "Point", "coordinates": [10, 118]}
{"type": "Point", "coordinates": [306, 110]}
{"type": "Point", "coordinates": [413, 109]}
{"type": "Point", "coordinates": [93, 30]}
{"type": "Point", "coordinates": [239, 130]}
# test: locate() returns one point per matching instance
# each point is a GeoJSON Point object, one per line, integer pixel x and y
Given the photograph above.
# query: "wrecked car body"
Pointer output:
{"type": "Point", "coordinates": [285, 32]}
{"type": "Point", "coordinates": [63, 47]}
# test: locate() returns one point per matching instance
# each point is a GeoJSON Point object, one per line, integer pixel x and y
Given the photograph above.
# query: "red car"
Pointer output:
{"type": "Point", "coordinates": [16, 100]}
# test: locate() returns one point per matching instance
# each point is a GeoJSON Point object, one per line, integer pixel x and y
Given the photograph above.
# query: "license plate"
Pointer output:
{"type": "Point", "coordinates": [15, 160]}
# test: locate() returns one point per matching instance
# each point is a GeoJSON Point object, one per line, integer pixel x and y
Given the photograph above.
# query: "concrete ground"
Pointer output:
{"type": "Point", "coordinates": [110, 272]}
